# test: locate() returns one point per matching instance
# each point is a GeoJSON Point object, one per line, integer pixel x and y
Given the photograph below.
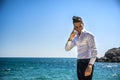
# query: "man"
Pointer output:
{"type": "Point", "coordinates": [86, 49]}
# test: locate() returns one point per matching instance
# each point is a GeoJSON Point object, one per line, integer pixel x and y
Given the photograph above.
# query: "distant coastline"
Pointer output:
{"type": "Point", "coordinates": [112, 55]}
{"type": "Point", "coordinates": [39, 57]}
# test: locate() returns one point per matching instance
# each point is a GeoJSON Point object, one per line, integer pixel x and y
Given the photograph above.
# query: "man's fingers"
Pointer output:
{"type": "Point", "coordinates": [87, 73]}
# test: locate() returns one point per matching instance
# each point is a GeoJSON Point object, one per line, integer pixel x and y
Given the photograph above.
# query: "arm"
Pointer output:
{"type": "Point", "coordinates": [93, 48]}
{"type": "Point", "coordinates": [93, 55]}
{"type": "Point", "coordinates": [70, 43]}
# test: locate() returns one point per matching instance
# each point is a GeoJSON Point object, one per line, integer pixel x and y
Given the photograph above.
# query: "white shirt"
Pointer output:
{"type": "Point", "coordinates": [85, 46]}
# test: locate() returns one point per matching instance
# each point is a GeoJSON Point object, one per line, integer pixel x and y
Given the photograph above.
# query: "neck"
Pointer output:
{"type": "Point", "coordinates": [79, 33]}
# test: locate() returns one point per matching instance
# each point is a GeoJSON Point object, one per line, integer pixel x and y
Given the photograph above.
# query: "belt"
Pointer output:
{"type": "Point", "coordinates": [83, 60]}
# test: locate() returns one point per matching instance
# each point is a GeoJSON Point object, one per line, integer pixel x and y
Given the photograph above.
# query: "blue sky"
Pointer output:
{"type": "Point", "coordinates": [40, 28]}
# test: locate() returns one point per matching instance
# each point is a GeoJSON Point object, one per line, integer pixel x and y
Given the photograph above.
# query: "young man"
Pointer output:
{"type": "Point", "coordinates": [86, 49]}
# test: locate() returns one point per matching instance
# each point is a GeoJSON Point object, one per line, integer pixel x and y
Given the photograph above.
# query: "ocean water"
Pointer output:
{"type": "Point", "coordinates": [52, 69]}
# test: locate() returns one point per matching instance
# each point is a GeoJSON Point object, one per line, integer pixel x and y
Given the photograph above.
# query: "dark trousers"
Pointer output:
{"type": "Point", "coordinates": [81, 67]}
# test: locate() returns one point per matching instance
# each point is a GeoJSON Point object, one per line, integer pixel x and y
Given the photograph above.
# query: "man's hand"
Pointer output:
{"type": "Point", "coordinates": [88, 70]}
{"type": "Point", "coordinates": [72, 35]}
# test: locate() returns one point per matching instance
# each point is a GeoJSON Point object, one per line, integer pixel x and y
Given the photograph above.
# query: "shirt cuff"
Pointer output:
{"type": "Point", "coordinates": [92, 60]}
{"type": "Point", "coordinates": [69, 42]}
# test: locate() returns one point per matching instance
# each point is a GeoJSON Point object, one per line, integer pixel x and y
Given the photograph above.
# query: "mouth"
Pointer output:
{"type": "Point", "coordinates": [78, 29]}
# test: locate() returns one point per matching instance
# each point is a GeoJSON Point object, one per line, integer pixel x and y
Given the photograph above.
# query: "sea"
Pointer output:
{"type": "Point", "coordinates": [52, 69]}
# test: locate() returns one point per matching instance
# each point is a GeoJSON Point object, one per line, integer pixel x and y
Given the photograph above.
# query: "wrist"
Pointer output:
{"type": "Point", "coordinates": [69, 39]}
{"type": "Point", "coordinates": [90, 65]}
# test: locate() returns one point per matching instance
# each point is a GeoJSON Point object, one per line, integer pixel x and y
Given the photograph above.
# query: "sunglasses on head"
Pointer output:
{"type": "Point", "coordinates": [76, 18]}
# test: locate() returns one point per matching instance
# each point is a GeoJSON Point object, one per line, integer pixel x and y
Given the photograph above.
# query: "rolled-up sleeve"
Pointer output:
{"type": "Point", "coordinates": [69, 45]}
{"type": "Point", "coordinates": [93, 49]}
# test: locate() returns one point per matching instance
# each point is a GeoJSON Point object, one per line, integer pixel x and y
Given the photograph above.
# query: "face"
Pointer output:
{"type": "Point", "coordinates": [78, 26]}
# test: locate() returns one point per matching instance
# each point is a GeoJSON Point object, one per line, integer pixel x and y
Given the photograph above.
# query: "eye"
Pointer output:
{"type": "Point", "coordinates": [76, 26]}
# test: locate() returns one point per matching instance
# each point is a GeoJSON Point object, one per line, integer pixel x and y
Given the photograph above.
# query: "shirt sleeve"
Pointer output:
{"type": "Point", "coordinates": [93, 49]}
{"type": "Point", "coordinates": [69, 45]}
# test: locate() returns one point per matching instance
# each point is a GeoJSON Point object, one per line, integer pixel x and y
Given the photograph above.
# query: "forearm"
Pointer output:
{"type": "Point", "coordinates": [92, 60]}
{"type": "Point", "coordinates": [93, 55]}
{"type": "Point", "coordinates": [68, 46]}
{"type": "Point", "coordinates": [70, 43]}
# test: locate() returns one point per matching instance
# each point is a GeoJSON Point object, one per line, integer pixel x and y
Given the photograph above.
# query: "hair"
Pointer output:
{"type": "Point", "coordinates": [77, 19]}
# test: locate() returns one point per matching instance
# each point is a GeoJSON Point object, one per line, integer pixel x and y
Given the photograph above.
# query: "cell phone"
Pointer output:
{"type": "Point", "coordinates": [75, 31]}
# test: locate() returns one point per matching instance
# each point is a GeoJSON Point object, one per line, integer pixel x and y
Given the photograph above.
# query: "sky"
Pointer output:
{"type": "Point", "coordinates": [40, 28]}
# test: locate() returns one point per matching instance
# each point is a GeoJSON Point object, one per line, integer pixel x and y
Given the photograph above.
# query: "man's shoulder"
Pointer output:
{"type": "Point", "coordinates": [88, 33]}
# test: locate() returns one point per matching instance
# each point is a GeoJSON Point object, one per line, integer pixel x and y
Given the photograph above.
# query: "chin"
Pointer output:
{"type": "Point", "coordinates": [79, 31]}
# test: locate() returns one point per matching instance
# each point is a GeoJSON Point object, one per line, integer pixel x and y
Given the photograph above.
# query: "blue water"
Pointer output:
{"type": "Point", "coordinates": [52, 69]}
